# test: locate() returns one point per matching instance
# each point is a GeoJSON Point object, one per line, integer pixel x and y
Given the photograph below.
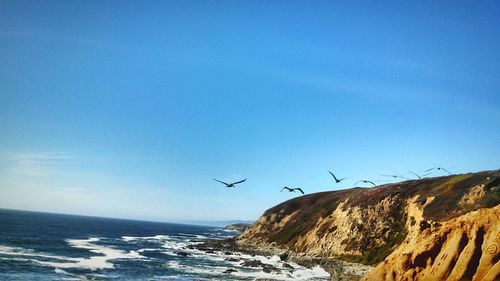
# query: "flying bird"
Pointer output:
{"type": "Point", "coordinates": [335, 178]}
{"type": "Point", "coordinates": [420, 176]}
{"type": "Point", "coordinates": [365, 181]}
{"type": "Point", "coordinates": [395, 176]}
{"type": "Point", "coordinates": [230, 184]}
{"type": "Point", "coordinates": [438, 168]}
{"type": "Point", "coordinates": [292, 189]}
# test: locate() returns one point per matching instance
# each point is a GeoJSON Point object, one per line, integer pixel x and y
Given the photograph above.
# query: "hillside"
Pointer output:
{"type": "Point", "coordinates": [413, 222]}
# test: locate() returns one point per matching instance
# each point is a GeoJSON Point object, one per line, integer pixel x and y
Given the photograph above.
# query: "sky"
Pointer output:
{"type": "Point", "coordinates": [130, 108]}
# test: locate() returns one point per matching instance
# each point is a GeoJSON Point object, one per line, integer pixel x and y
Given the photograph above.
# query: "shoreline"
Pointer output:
{"type": "Point", "coordinates": [338, 269]}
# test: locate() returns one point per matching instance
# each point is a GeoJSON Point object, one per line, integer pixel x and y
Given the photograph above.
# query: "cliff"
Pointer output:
{"type": "Point", "coordinates": [414, 230]}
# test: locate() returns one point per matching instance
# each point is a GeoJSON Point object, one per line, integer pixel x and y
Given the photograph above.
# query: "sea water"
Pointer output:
{"type": "Point", "coordinates": [43, 246]}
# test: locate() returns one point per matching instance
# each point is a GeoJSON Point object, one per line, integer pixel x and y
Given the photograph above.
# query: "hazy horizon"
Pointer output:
{"type": "Point", "coordinates": [220, 223]}
{"type": "Point", "coordinates": [129, 110]}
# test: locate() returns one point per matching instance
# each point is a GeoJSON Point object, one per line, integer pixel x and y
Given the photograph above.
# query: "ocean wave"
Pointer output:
{"type": "Point", "coordinates": [184, 261]}
{"type": "Point", "coordinates": [147, 250]}
{"type": "Point", "coordinates": [300, 273]}
{"type": "Point", "coordinates": [69, 276]}
{"type": "Point", "coordinates": [196, 236]}
{"type": "Point", "coordinates": [94, 262]}
{"type": "Point", "coordinates": [15, 259]}
{"type": "Point", "coordinates": [221, 263]}
{"type": "Point", "coordinates": [102, 261]}
{"type": "Point", "coordinates": [169, 245]}
{"type": "Point", "coordinates": [172, 264]}
{"type": "Point", "coordinates": [228, 230]}
{"type": "Point", "coordinates": [169, 277]}
{"type": "Point", "coordinates": [18, 251]}
{"type": "Point", "coordinates": [294, 272]}
{"type": "Point", "coordinates": [156, 237]}
{"type": "Point", "coordinates": [168, 241]}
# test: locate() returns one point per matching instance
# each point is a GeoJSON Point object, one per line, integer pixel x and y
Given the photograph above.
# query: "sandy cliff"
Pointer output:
{"type": "Point", "coordinates": [445, 227]}
{"type": "Point", "coordinates": [465, 248]}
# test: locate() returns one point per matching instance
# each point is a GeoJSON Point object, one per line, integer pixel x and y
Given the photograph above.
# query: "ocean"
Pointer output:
{"type": "Point", "coordinates": [43, 246]}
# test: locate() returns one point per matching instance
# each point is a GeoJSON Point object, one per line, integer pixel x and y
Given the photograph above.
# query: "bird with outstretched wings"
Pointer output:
{"type": "Point", "coordinates": [335, 178]}
{"type": "Point", "coordinates": [439, 169]}
{"type": "Point", "coordinates": [420, 176]}
{"type": "Point", "coordinates": [365, 181]}
{"type": "Point", "coordinates": [292, 189]}
{"type": "Point", "coordinates": [230, 184]}
{"type": "Point", "coordinates": [395, 176]}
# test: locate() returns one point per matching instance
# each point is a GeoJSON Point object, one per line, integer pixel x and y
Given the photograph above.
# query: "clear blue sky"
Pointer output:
{"type": "Point", "coordinates": [130, 108]}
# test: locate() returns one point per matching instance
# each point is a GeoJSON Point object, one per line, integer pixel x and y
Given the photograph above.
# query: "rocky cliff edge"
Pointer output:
{"type": "Point", "coordinates": [446, 228]}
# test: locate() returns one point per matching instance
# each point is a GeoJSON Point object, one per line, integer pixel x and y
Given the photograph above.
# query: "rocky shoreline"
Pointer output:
{"type": "Point", "coordinates": [338, 270]}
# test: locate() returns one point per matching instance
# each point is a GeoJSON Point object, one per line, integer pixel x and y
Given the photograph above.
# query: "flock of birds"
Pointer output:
{"type": "Point", "coordinates": [337, 180]}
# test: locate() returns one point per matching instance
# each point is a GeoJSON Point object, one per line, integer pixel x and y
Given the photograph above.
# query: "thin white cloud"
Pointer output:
{"type": "Point", "coordinates": [68, 182]}
{"type": "Point", "coordinates": [35, 164]}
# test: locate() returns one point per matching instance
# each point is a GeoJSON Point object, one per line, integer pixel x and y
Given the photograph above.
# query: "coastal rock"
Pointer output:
{"type": "Point", "coordinates": [183, 254]}
{"type": "Point", "coordinates": [252, 263]}
{"type": "Point", "coordinates": [268, 268]}
{"type": "Point", "coordinates": [345, 271]}
{"type": "Point", "coordinates": [283, 256]}
{"type": "Point", "coordinates": [229, 271]}
{"type": "Point", "coordinates": [240, 227]}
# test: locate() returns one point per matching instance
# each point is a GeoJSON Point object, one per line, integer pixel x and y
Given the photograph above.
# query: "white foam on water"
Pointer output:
{"type": "Point", "coordinates": [316, 273]}
{"type": "Point", "coordinates": [129, 238]}
{"type": "Point", "coordinates": [202, 269]}
{"type": "Point", "coordinates": [298, 273]}
{"type": "Point", "coordinates": [170, 245]}
{"type": "Point", "coordinates": [217, 271]}
{"type": "Point", "coordinates": [172, 264]}
{"type": "Point", "coordinates": [60, 271]}
{"type": "Point", "coordinates": [173, 244]}
{"type": "Point", "coordinates": [156, 237]}
{"type": "Point", "coordinates": [95, 262]}
{"type": "Point", "coordinates": [18, 251]}
{"type": "Point", "coordinates": [69, 276]}
{"type": "Point", "coordinates": [197, 236]}
{"type": "Point", "coordinates": [173, 247]}
{"type": "Point", "coordinates": [14, 259]}
{"type": "Point", "coordinates": [306, 273]}
{"type": "Point", "coordinates": [108, 252]}
{"type": "Point", "coordinates": [6, 250]}
{"type": "Point", "coordinates": [147, 250]}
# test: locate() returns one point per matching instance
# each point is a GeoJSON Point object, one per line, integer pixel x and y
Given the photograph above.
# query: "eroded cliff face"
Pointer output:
{"type": "Point", "coordinates": [429, 227]}
{"type": "Point", "coordinates": [464, 248]}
